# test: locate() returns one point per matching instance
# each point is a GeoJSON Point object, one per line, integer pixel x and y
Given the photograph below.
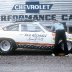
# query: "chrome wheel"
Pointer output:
{"type": "Point", "coordinates": [69, 44]}
{"type": "Point", "coordinates": [5, 45]}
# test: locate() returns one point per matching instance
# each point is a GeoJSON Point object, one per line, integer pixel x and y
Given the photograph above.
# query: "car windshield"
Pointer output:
{"type": "Point", "coordinates": [47, 28]}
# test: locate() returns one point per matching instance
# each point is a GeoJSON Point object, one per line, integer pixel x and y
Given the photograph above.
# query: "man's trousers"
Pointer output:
{"type": "Point", "coordinates": [60, 35]}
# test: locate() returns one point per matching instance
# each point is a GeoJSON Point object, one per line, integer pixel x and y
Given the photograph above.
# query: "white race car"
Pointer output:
{"type": "Point", "coordinates": [26, 35]}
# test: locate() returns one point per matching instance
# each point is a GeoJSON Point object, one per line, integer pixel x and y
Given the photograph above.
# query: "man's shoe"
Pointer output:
{"type": "Point", "coordinates": [53, 54]}
{"type": "Point", "coordinates": [67, 55]}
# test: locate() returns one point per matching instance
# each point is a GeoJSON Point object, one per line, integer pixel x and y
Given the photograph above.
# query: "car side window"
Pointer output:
{"type": "Point", "coordinates": [12, 28]}
{"type": "Point", "coordinates": [24, 27]}
{"type": "Point", "coordinates": [30, 28]}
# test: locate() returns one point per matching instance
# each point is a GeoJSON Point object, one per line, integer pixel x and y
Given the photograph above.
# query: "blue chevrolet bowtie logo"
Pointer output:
{"type": "Point", "coordinates": [32, 7]}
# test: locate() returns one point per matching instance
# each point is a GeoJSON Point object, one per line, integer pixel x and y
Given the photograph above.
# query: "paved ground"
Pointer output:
{"type": "Point", "coordinates": [34, 61]}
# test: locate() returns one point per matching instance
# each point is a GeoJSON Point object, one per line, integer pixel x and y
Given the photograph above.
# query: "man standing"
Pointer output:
{"type": "Point", "coordinates": [60, 35]}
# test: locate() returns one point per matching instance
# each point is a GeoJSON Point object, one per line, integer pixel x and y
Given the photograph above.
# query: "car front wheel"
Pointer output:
{"type": "Point", "coordinates": [6, 46]}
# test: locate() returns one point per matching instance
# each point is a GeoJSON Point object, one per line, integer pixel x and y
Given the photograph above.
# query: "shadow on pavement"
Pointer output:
{"type": "Point", "coordinates": [30, 52]}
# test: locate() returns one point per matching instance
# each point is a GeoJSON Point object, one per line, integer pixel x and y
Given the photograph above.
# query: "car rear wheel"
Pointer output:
{"type": "Point", "coordinates": [6, 46]}
{"type": "Point", "coordinates": [69, 44]}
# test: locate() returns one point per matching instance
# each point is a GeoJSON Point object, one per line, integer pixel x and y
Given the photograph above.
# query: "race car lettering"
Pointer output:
{"type": "Point", "coordinates": [38, 35]}
{"type": "Point", "coordinates": [27, 34]}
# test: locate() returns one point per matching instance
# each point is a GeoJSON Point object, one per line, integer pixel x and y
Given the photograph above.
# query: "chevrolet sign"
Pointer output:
{"type": "Point", "coordinates": [32, 7]}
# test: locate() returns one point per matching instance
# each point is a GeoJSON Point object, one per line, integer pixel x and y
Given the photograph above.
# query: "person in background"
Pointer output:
{"type": "Point", "coordinates": [60, 35]}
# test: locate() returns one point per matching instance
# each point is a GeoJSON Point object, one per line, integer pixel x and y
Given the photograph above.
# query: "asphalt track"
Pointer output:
{"type": "Point", "coordinates": [34, 61]}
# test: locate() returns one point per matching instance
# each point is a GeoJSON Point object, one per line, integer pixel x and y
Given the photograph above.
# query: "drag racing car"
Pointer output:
{"type": "Point", "coordinates": [27, 35]}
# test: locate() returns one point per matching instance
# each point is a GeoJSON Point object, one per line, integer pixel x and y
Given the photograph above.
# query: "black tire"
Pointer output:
{"type": "Point", "coordinates": [7, 46]}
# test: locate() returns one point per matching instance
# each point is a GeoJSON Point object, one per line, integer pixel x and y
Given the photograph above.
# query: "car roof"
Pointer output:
{"type": "Point", "coordinates": [19, 22]}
